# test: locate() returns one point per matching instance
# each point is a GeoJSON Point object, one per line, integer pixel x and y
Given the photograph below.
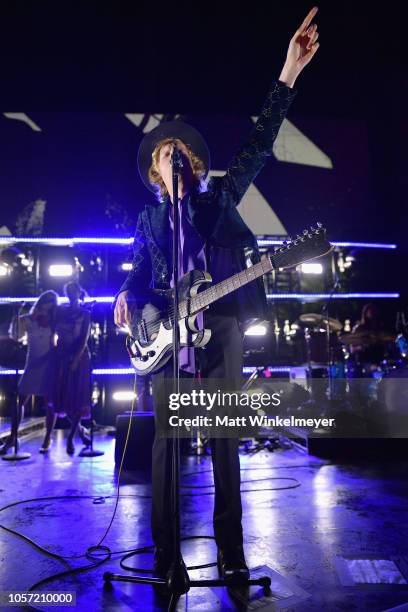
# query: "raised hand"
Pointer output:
{"type": "Point", "coordinates": [302, 47]}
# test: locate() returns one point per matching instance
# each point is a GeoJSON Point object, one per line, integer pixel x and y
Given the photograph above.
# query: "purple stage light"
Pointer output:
{"type": "Point", "coordinates": [361, 245]}
{"type": "Point", "coordinates": [128, 241]}
{"type": "Point", "coordinates": [276, 369]}
{"type": "Point", "coordinates": [100, 300]}
{"type": "Point", "coordinates": [54, 241]}
{"type": "Point", "coordinates": [326, 296]}
{"type": "Point", "coordinates": [131, 371]}
{"type": "Point", "coordinates": [112, 371]}
{"type": "Point", "coordinates": [271, 296]}
{"type": "Point", "coordinates": [6, 372]}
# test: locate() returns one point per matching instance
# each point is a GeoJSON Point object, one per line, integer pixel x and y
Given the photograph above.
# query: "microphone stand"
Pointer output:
{"type": "Point", "coordinates": [325, 311]}
{"type": "Point", "coordinates": [90, 451]}
{"type": "Point", "coordinates": [17, 455]}
{"type": "Point", "coordinates": [178, 581]}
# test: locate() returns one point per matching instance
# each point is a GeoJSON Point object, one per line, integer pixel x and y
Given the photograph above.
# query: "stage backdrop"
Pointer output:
{"type": "Point", "coordinates": [83, 165]}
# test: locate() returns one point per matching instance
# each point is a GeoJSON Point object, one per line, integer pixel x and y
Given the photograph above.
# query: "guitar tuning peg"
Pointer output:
{"type": "Point", "coordinates": [305, 232]}
{"type": "Point", "coordinates": [312, 229]}
{"type": "Point", "coordinates": [319, 225]}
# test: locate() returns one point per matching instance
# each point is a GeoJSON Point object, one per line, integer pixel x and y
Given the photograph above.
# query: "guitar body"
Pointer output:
{"type": "Point", "coordinates": [150, 344]}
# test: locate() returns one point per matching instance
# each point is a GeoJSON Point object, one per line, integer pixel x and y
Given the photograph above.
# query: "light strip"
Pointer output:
{"type": "Point", "coordinates": [100, 300]}
{"type": "Point", "coordinates": [271, 296]}
{"type": "Point", "coordinates": [128, 241]}
{"type": "Point", "coordinates": [251, 369]}
{"type": "Point", "coordinates": [64, 241]}
{"type": "Point", "coordinates": [131, 371]}
{"type": "Point", "coordinates": [112, 371]}
{"type": "Point", "coordinates": [361, 245]}
{"type": "Point", "coordinates": [326, 296]}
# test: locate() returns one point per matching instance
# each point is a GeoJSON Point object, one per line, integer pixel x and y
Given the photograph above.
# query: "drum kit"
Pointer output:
{"type": "Point", "coordinates": [329, 354]}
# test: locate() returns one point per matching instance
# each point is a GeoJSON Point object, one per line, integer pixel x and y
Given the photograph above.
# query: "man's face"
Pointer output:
{"type": "Point", "coordinates": [165, 168]}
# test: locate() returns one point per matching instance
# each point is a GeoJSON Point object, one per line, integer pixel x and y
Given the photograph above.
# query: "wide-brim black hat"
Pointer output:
{"type": "Point", "coordinates": [170, 129]}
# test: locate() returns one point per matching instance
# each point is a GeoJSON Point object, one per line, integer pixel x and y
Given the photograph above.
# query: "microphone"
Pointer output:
{"type": "Point", "coordinates": [176, 159]}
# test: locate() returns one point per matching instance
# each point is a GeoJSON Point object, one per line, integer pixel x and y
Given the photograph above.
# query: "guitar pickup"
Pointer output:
{"type": "Point", "coordinates": [142, 331]}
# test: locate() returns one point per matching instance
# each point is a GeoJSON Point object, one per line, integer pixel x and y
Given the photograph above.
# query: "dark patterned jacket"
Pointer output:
{"type": "Point", "coordinates": [214, 215]}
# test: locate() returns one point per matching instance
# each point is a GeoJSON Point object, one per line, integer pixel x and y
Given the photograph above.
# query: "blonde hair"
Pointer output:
{"type": "Point", "coordinates": [154, 174]}
{"type": "Point", "coordinates": [47, 296]}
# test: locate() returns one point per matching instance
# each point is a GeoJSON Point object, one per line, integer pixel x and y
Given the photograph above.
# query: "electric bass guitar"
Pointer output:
{"type": "Point", "coordinates": [150, 341]}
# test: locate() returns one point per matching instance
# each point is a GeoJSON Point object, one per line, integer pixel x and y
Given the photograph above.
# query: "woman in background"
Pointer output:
{"type": "Point", "coordinates": [72, 390]}
{"type": "Point", "coordinates": [38, 377]}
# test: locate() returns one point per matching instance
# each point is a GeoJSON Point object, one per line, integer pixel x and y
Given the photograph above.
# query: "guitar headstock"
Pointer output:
{"type": "Point", "coordinates": [311, 243]}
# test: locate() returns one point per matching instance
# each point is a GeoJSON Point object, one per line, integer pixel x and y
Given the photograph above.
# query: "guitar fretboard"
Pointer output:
{"type": "Point", "coordinates": [215, 292]}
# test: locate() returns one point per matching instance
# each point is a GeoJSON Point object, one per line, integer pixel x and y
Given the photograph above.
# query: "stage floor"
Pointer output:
{"type": "Point", "coordinates": [303, 519]}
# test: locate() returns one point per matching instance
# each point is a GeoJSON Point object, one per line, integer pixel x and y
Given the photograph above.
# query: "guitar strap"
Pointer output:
{"type": "Point", "coordinates": [198, 351]}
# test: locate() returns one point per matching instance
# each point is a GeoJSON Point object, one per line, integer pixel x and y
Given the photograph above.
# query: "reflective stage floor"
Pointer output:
{"type": "Point", "coordinates": [323, 530]}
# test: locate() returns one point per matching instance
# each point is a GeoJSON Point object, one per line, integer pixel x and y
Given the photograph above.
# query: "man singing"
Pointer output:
{"type": "Point", "coordinates": [213, 237]}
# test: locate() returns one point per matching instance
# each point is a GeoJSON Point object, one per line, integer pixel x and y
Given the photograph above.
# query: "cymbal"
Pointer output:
{"type": "Point", "coordinates": [319, 320]}
{"type": "Point", "coordinates": [366, 338]}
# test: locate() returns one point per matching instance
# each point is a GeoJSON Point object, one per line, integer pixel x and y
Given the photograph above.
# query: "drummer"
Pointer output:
{"type": "Point", "coordinates": [370, 323]}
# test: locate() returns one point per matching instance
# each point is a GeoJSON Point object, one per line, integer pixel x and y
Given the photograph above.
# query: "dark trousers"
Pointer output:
{"type": "Point", "coordinates": [222, 358]}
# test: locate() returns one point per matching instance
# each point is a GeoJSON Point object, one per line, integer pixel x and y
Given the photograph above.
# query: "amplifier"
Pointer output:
{"type": "Point", "coordinates": [139, 449]}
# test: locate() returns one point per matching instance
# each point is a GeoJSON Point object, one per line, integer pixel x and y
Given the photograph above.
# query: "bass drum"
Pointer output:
{"type": "Point", "coordinates": [393, 391]}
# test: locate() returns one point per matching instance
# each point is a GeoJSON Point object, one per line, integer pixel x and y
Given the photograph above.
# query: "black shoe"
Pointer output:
{"type": "Point", "coordinates": [70, 447]}
{"type": "Point", "coordinates": [232, 566]}
{"type": "Point", "coordinates": [9, 443]}
{"type": "Point", "coordinates": [84, 435]}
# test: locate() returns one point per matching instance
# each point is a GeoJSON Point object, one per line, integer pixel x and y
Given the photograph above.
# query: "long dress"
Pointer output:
{"type": "Point", "coordinates": [39, 367]}
{"type": "Point", "coordinates": [72, 391]}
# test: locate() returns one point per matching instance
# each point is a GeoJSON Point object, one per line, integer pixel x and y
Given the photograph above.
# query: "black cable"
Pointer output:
{"type": "Point", "coordinates": [92, 551]}
{"type": "Point", "coordinates": [63, 558]}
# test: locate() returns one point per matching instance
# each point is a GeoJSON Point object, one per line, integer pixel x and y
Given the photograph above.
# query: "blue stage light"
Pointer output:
{"type": "Point", "coordinates": [5, 372]}
{"type": "Point", "coordinates": [271, 296]}
{"type": "Point", "coordinates": [326, 296]}
{"type": "Point", "coordinates": [112, 371]}
{"type": "Point", "coordinates": [361, 245]}
{"type": "Point", "coordinates": [128, 241]}
{"type": "Point", "coordinates": [99, 300]}
{"type": "Point", "coordinates": [131, 372]}
{"type": "Point", "coordinates": [276, 369]}
{"type": "Point", "coordinates": [54, 241]}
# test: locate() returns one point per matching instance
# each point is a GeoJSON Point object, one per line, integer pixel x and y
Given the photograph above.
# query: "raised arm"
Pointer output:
{"type": "Point", "coordinates": [18, 326]}
{"type": "Point", "coordinates": [252, 156]}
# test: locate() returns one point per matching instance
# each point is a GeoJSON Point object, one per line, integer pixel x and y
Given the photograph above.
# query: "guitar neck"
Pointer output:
{"type": "Point", "coordinates": [305, 247]}
{"type": "Point", "coordinates": [215, 292]}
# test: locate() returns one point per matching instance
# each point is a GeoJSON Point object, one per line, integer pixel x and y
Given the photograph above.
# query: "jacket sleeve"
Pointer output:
{"type": "Point", "coordinates": [253, 155]}
{"type": "Point", "coordinates": [139, 277]}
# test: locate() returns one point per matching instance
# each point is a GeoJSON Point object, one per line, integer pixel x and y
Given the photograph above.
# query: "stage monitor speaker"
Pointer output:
{"type": "Point", "coordinates": [139, 449]}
